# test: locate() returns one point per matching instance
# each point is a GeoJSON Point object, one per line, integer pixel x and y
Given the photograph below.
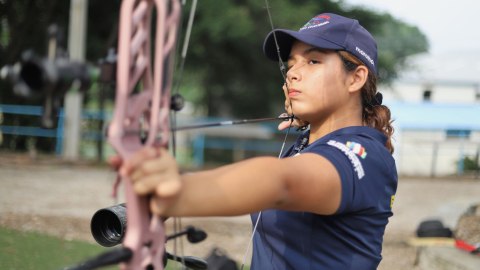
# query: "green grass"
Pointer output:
{"type": "Point", "coordinates": [25, 250]}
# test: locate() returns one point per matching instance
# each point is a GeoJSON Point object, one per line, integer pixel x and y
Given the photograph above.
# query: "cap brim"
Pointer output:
{"type": "Point", "coordinates": [285, 39]}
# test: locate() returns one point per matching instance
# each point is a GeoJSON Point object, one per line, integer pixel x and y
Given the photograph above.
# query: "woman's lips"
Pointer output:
{"type": "Point", "coordinates": [293, 93]}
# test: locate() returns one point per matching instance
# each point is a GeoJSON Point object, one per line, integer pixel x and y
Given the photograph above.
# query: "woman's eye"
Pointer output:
{"type": "Point", "coordinates": [313, 62]}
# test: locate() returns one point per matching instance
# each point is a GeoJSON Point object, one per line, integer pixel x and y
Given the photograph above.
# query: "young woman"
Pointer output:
{"type": "Point", "coordinates": [327, 201]}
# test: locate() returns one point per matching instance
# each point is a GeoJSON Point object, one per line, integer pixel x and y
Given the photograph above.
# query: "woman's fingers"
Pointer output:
{"type": "Point", "coordinates": [284, 124]}
{"type": "Point", "coordinates": [169, 188]}
{"type": "Point", "coordinates": [162, 184]}
{"type": "Point", "coordinates": [161, 206]}
{"type": "Point", "coordinates": [296, 123]}
{"type": "Point", "coordinates": [162, 162]}
{"type": "Point", "coordinates": [139, 159]}
{"type": "Point", "coordinates": [149, 167]}
{"type": "Point", "coordinates": [157, 176]}
{"type": "Point", "coordinates": [146, 184]}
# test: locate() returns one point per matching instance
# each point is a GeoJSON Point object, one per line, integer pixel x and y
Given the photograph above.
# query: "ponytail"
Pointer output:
{"type": "Point", "coordinates": [375, 116]}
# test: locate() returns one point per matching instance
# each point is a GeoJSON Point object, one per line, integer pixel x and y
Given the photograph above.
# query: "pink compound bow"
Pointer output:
{"type": "Point", "coordinates": [149, 110]}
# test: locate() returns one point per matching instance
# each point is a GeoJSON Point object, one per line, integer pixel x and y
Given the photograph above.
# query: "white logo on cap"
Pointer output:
{"type": "Point", "coordinates": [316, 22]}
{"type": "Point", "coordinates": [313, 26]}
{"type": "Point", "coordinates": [366, 56]}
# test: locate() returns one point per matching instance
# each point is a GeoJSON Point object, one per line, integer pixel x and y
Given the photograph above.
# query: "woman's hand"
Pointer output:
{"type": "Point", "coordinates": [154, 172]}
{"type": "Point", "coordinates": [296, 122]}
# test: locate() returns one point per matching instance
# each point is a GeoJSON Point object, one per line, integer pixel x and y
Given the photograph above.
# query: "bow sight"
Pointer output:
{"type": "Point", "coordinates": [108, 227]}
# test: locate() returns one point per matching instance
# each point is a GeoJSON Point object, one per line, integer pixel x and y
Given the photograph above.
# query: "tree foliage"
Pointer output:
{"type": "Point", "coordinates": [226, 49]}
{"type": "Point", "coordinates": [226, 72]}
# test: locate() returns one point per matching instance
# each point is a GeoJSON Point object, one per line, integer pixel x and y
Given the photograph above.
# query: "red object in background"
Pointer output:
{"type": "Point", "coordinates": [467, 247]}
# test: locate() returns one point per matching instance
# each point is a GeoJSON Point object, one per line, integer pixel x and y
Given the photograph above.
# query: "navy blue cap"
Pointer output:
{"type": "Point", "coordinates": [327, 31]}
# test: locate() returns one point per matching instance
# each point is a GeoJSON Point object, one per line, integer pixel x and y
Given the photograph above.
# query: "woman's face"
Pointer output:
{"type": "Point", "coordinates": [316, 81]}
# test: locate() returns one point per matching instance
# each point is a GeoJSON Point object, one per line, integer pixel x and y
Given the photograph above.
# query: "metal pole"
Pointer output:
{"type": "Point", "coordinates": [434, 159]}
{"type": "Point", "coordinates": [73, 99]}
{"type": "Point", "coordinates": [460, 160]}
{"type": "Point", "coordinates": [198, 150]}
{"type": "Point", "coordinates": [101, 98]}
{"type": "Point", "coordinates": [477, 165]}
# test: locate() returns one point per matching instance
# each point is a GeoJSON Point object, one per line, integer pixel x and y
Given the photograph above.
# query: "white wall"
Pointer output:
{"type": "Point", "coordinates": [441, 93]}
{"type": "Point", "coordinates": [416, 152]}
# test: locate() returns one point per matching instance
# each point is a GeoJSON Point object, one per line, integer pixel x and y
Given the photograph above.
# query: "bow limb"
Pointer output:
{"type": "Point", "coordinates": [149, 109]}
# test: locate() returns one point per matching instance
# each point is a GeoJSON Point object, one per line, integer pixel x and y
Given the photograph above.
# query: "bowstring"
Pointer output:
{"type": "Point", "coordinates": [283, 70]}
{"type": "Point", "coordinates": [173, 119]}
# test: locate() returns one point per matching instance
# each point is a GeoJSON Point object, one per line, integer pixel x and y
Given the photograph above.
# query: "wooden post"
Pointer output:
{"type": "Point", "coordinates": [74, 99]}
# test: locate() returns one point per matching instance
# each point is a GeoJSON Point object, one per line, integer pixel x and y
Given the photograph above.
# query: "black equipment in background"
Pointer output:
{"type": "Point", "coordinates": [49, 77]}
{"type": "Point", "coordinates": [218, 260]}
{"type": "Point", "coordinates": [433, 228]}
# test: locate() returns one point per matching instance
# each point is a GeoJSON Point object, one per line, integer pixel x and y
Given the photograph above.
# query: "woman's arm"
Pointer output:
{"type": "Point", "coordinates": [308, 182]}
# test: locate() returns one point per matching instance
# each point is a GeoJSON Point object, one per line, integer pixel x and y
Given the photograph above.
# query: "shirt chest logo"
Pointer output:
{"type": "Point", "coordinates": [352, 156]}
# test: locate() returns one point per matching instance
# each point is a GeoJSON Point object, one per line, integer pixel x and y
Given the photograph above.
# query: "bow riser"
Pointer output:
{"type": "Point", "coordinates": [145, 234]}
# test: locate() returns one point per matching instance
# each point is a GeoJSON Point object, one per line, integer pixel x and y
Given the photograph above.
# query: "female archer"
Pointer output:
{"type": "Point", "coordinates": [327, 201]}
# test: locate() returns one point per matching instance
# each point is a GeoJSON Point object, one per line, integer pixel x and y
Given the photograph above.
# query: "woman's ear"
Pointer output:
{"type": "Point", "coordinates": [358, 79]}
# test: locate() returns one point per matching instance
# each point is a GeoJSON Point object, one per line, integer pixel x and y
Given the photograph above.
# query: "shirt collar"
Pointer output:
{"type": "Point", "coordinates": [368, 131]}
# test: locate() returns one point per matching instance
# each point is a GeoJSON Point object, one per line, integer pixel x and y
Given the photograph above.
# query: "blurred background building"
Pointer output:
{"type": "Point", "coordinates": [436, 107]}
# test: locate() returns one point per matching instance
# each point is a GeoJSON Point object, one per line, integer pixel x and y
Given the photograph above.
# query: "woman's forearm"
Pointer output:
{"type": "Point", "coordinates": [209, 174]}
{"type": "Point", "coordinates": [237, 189]}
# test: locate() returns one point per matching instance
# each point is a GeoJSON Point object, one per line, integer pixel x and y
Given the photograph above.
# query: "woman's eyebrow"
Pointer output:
{"type": "Point", "coordinates": [314, 49]}
{"type": "Point", "coordinates": [307, 51]}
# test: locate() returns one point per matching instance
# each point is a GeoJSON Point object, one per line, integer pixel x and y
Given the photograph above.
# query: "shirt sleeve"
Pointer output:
{"type": "Point", "coordinates": [360, 191]}
{"type": "Point", "coordinates": [344, 169]}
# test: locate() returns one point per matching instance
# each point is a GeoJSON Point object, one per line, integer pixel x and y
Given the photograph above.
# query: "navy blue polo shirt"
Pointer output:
{"type": "Point", "coordinates": [352, 237]}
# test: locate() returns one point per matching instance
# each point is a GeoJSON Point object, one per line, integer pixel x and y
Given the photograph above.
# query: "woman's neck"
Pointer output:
{"type": "Point", "coordinates": [334, 122]}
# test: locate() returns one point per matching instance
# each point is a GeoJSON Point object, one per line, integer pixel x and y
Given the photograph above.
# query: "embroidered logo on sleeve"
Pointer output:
{"type": "Point", "coordinates": [391, 200]}
{"type": "Point", "coordinates": [357, 165]}
{"type": "Point", "coordinates": [357, 149]}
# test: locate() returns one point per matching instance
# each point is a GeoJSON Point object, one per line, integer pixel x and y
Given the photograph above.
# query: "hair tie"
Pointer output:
{"type": "Point", "coordinates": [377, 100]}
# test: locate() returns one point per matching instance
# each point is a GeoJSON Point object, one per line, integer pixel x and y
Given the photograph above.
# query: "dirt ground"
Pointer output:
{"type": "Point", "coordinates": [59, 199]}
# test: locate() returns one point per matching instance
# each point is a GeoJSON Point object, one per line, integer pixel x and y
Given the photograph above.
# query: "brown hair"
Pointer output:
{"type": "Point", "coordinates": [375, 116]}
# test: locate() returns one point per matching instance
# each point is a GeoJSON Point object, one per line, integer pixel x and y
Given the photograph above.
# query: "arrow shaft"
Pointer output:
{"type": "Point", "coordinates": [229, 123]}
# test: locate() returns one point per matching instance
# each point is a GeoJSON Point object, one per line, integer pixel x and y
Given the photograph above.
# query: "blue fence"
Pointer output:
{"type": "Point", "coordinates": [55, 133]}
{"type": "Point", "coordinates": [33, 131]}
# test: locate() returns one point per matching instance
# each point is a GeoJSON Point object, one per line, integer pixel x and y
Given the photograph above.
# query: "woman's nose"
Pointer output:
{"type": "Point", "coordinates": [293, 74]}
